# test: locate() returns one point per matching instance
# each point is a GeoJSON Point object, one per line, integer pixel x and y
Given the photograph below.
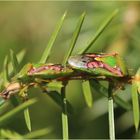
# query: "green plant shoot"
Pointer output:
{"type": "Point", "coordinates": [86, 65]}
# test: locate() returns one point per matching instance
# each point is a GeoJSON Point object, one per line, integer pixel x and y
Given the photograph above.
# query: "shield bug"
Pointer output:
{"type": "Point", "coordinates": [101, 64]}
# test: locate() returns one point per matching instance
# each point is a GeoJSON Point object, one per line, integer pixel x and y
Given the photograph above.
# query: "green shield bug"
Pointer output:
{"type": "Point", "coordinates": [99, 64]}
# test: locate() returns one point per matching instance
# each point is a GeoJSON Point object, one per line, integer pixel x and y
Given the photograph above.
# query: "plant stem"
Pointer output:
{"type": "Point", "coordinates": [111, 113]}
{"type": "Point", "coordinates": [64, 115]}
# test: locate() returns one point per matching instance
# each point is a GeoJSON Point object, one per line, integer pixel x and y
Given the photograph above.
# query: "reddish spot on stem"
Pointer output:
{"type": "Point", "coordinates": [45, 67]}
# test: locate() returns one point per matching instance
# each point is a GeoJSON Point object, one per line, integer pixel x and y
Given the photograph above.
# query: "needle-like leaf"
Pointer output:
{"type": "Point", "coordinates": [64, 115]}
{"type": "Point", "coordinates": [111, 119]}
{"type": "Point", "coordinates": [64, 100]}
{"type": "Point", "coordinates": [15, 65]}
{"type": "Point", "coordinates": [14, 61]}
{"type": "Point", "coordinates": [52, 39]}
{"type": "Point", "coordinates": [27, 119]}
{"type": "Point", "coordinates": [37, 133]}
{"type": "Point", "coordinates": [6, 117]}
{"type": "Point", "coordinates": [58, 100]}
{"type": "Point", "coordinates": [87, 93]}
{"type": "Point", "coordinates": [137, 80]}
{"type": "Point", "coordinates": [99, 31]}
{"type": "Point", "coordinates": [74, 37]}
{"type": "Point", "coordinates": [101, 89]}
{"type": "Point", "coordinates": [91, 42]}
{"type": "Point", "coordinates": [135, 103]}
{"type": "Point", "coordinates": [7, 134]}
{"type": "Point", "coordinates": [111, 111]}
{"type": "Point", "coordinates": [5, 71]}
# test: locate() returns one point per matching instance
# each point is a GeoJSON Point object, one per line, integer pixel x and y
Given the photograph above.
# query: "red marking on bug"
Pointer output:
{"type": "Point", "coordinates": [113, 70]}
{"type": "Point", "coordinates": [97, 64]}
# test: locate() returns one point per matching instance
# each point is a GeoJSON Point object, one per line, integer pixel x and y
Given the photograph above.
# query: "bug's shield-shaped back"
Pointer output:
{"type": "Point", "coordinates": [99, 64]}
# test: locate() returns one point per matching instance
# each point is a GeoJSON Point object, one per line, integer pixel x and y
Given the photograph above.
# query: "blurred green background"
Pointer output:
{"type": "Point", "coordinates": [28, 25]}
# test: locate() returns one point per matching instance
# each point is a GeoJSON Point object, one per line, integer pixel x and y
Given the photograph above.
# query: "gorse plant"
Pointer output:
{"type": "Point", "coordinates": [52, 79]}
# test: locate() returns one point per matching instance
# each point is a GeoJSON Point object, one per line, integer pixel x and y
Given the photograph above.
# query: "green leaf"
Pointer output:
{"type": "Point", "coordinates": [87, 93]}
{"type": "Point", "coordinates": [119, 101]}
{"type": "Point", "coordinates": [14, 61]}
{"type": "Point", "coordinates": [74, 37]}
{"type": "Point", "coordinates": [104, 91]}
{"type": "Point", "coordinates": [58, 100]}
{"type": "Point", "coordinates": [4, 107]}
{"type": "Point", "coordinates": [54, 85]}
{"type": "Point", "coordinates": [5, 71]}
{"type": "Point", "coordinates": [137, 80]}
{"type": "Point", "coordinates": [111, 111]}
{"type": "Point", "coordinates": [64, 115]}
{"type": "Point", "coordinates": [135, 103]}
{"type": "Point", "coordinates": [6, 117]}
{"type": "Point", "coordinates": [26, 111]}
{"type": "Point", "coordinates": [52, 39]}
{"type": "Point", "coordinates": [19, 58]}
{"type": "Point", "coordinates": [99, 31]}
{"type": "Point", "coordinates": [21, 55]}
{"type": "Point", "coordinates": [2, 101]}
{"type": "Point", "coordinates": [91, 42]}
{"type": "Point", "coordinates": [15, 65]}
{"type": "Point", "coordinates": [27, 119]}
{"type": "Point", "coordinates": [65, 126]}
{"type": "Point", "coordinates": [37, 133]}
{"type": "Point", "coordinates": [10, 134]}
{"type": "Point", "coordinates": [111, 119]}
{"type": "Point", "coordinates": [64, 100]}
